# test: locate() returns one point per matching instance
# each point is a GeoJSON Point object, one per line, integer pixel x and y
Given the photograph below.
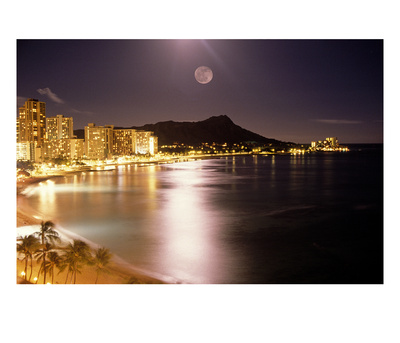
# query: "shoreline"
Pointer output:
{"type": "Point", "coordinates": [119, 271]}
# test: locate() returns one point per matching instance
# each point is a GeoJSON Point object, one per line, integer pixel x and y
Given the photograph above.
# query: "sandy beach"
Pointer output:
{"type": "Point", "coordinates": [119, 271]}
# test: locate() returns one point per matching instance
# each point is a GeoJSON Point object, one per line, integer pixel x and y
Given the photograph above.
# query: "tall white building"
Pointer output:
{"type": "Point", "coordinates": [98, 141]}
{"type": "Point", "coordinates": [31, 123]}
{"type": "Point", "coordinates": [145, 142]}
{"type": "Point", "coordinates": [153, 145]}
{"type": "Point", "coordinates": [69, 149]}
{"type": "Point", "coordinates": [61, 142]}
{"type": "Point", "coordinates": [26, 151]}
{"type": "Point", "coordinates": [132, 142]}
{"type": "Point", "coordinates": [123, 142]}
{"type": "Point", "coordinates": [59, 127]}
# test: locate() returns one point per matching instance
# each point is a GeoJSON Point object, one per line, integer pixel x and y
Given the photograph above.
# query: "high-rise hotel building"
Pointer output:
{"type": "Point", "coordinates": [98, 141]}
{"type": "Point", "coordinates": [41, 139]}
{"type": "Point", "coordinates": [145, 142]}
{"type": "Point", "coordinates": [102, 142]}
{"type": "Point", "coordinates": [31, 124]}
{"type": "Point", "coordinates": [31, 130]}
{"type": "Point", "coordinates": [123, 142]}
{"type": "Point", "coordinates": [153, 145]}
{"type": "Point", "coordinates": [61, 142]}
{"type": "Point", "coordinates": [134, 142]}
{"type": "Point", "coordinates": [59, 127]}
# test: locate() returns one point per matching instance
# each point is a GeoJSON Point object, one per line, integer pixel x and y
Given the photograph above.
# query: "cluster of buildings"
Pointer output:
{"type": "Point", "coordinates": [41, 138]}
{"type": "Point", "coordinates": [329, 144]}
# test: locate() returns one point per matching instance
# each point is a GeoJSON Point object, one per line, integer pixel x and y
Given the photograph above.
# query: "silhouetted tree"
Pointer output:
{"type": "Point", "coordinates": [40, 255]}
{"type": "Point", "coordinates": [100, 261]}
{"type": "Point", "coordinates": [77, 254]}
{"type": "Point", "coordinates": [53, 260]}
{"type": "Point", "coordinates": [47, 234]}
{"type": "Point", "coordinates": [27, 246]}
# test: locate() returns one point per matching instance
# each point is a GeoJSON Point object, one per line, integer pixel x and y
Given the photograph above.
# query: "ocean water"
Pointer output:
{"type": "Point", "coordinates": [276, 219]}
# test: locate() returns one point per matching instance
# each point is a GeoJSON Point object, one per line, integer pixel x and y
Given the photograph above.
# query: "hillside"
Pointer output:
{"type": "Point", "coordinates": [219, 129]}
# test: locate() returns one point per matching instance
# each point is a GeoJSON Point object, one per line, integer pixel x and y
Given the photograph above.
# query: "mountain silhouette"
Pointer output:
{"type": "Point", "coordinates": [217, 129]}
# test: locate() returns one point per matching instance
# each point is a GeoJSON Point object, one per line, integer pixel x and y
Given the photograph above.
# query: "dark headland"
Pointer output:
{"type": "Point", "coordinates": [217, 129]}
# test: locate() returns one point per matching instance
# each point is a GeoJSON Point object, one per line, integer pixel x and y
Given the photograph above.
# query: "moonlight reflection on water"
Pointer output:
{"type": "Point", "coordinates": [261, 219]}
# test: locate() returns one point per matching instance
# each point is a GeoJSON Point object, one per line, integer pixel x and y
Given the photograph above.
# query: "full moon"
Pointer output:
{"type": "Point", "coordinates": [203, 75]}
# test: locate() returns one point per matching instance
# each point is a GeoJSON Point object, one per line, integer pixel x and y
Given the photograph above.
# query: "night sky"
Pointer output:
{"type": "Point", "coordinates": [299, 91]}
{"type": "Point", "coordinates": [290, 90]}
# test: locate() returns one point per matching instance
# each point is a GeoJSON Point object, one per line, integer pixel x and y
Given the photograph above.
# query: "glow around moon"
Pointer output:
{"type": "Point", "coordinates": [203, 75]}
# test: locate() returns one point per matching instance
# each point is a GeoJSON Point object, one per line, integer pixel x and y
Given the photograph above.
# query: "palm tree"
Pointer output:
{"type": "Point", "coordinates": [27, 246]}
{"type": "Point", "coordinates": [45, 250]}
{"type": "Point", "coordinates": [77, 253]}
{"type": "Point", "coordinates": [47, 234]}
{"type": "Point", "coordinates": [54, 260]}
{"type": "Point", "coordinates": [100, 261]}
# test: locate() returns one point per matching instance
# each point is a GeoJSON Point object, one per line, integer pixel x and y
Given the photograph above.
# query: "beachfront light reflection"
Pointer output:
{"type": "Point", "coordinates": [46, 197]}
{"type": "Point", "coordinates": [152, 185]}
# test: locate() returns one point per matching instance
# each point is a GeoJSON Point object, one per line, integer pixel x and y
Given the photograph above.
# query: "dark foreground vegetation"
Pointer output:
{"type": "Point", "coordinates": [51, 254]}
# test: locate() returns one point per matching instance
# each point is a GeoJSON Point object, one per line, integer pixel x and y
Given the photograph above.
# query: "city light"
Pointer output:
{"type": "Point", "coordinates": [54, 149]}
{"type": "Point", "coordinates": [329, 144]}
